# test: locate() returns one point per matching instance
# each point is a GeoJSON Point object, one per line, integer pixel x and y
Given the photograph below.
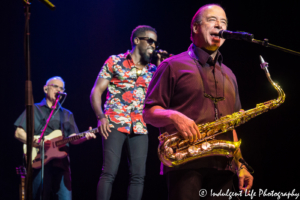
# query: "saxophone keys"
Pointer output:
{"type": "Point", "coordinates": [169, 152]}
{"type": "Point", "coordinates": [225, 126]}
{"type": "Point", "coordinates": [163, 136]}
{"type": "Point", "coordinates": [193, 151]}
{"type": "Point", "coordinates": [210, 132]}
{"type": "Point", "coordinates": [216, 144]}
{"type": "Point", "coordinates": [206, 146]}
{"type": "Point", "coordinates": [180, 156]}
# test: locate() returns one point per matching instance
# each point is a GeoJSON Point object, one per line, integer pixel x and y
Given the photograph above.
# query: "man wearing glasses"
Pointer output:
{"type": "Point", "coordinates": [192, 88]}
{"type": "Point", "coordinates": [127, 77]}
{"type": "Point", "coordinates": [57, 176]}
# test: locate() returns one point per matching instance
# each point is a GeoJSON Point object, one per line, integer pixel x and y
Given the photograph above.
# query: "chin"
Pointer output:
{"type": "Point", "coordinates": [146, 58]}
{"type": "Point", "coordinates": [212, 48]}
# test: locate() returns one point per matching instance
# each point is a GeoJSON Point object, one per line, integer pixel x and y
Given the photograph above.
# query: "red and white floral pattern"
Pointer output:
{"type": "Point", "coordinates": [126, 93]}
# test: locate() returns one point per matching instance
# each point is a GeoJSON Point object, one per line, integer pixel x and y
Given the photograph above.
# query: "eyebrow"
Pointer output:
{"type": "Point", "coordinates": [225, 20]}
{"type": "Point", "coordinates": [216, 18]}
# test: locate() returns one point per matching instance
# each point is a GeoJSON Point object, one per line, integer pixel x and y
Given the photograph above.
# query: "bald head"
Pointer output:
{"type": "Point", "coordinates": [198, 16]}
{"type": "Point", "coordinates": [206, 25]}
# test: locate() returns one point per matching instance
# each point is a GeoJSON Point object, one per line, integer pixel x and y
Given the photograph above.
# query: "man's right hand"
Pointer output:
{"type": "Point", "coordinates": [47, 143]}
{"type": "Point", "coordinates": [186, 126]}
{"type": "Point", "coordinates": [103, 127]}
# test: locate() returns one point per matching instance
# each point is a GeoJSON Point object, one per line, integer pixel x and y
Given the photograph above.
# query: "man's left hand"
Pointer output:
{"type": "Point", "coordinates": [90, 135]}
{"type": "Point", "coordinates": [245, 180]}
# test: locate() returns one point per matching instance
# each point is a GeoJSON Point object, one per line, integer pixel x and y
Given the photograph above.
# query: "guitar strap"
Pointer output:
{"type": "Point", "coordinates": [61, 115]}
{"type": "Point", "coordinates": [61, 122]}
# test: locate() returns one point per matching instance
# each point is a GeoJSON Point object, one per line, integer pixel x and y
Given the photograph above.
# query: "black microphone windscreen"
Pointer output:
{"type": "Point", "coordinates": [236, 35]}
{"type": "Point", "coordinates": [163, 55]}
{"type": "Point", "coordinates": [61, 94]}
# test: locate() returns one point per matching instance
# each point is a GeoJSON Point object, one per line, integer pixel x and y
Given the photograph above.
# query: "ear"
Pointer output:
{"type": "Point", "coordinates": [196, 27]}
{"type": "Point", "coordinates": [45, 89]}
{"type": "Point", "coordinates": [136, 41]}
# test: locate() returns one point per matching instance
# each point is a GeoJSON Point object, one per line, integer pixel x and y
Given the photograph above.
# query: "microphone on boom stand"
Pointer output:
{"type": "Point", "coordinates": [60, 94]}
{"type": "Point", "coordinates": [236, 35]}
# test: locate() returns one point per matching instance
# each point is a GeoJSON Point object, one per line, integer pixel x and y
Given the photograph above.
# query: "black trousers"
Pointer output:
{"type": "Point", "coordinates": [186, 184]}
{"type": "Point", "coordinates": [137, 149]}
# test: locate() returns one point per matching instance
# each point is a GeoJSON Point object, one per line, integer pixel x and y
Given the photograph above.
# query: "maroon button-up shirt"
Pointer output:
{"type": "Point", "coordinates": [179, 84]}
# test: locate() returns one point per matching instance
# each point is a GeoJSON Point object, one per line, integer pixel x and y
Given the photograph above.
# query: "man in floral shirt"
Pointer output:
{"type": "Point", "coordinates": [127, 77]}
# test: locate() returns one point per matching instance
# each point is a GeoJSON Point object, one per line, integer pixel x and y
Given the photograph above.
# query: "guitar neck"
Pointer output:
{"type": "Point", "coordinates": [75, 137]}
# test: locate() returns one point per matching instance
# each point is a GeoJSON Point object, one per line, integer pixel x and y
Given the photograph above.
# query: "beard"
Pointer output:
{"type": "Point", "coordinates": [145, 58]}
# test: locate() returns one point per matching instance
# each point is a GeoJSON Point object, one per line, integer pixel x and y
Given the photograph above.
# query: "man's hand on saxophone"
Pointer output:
{"type": "Point", "coordinates": [185, 126]}
{"type": "Point", "coordinates": [163, 117]}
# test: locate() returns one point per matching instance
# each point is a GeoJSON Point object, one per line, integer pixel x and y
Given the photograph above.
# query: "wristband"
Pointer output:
{"type": "Point", "coordinates": [101, 116]}
{"type": "Point", "coordinates": [240, 168]}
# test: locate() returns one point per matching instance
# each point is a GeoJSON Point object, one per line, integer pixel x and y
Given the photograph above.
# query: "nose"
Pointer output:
{"type": "Point", "coordinates": [218, 24]}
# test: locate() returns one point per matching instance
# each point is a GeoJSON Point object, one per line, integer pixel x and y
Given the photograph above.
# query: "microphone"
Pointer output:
{"type": "Point", "coordinates": [236, 35]}
{"type": "Point", "coordinates": [60, 94]}
{"type": "Point", "coordinates": [163, 55]}
{"type": "Point", "coordinates": [250, 169]}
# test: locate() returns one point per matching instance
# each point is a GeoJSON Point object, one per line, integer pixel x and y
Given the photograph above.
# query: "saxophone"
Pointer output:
{"type": "Point", "coordinates": [173, 150]}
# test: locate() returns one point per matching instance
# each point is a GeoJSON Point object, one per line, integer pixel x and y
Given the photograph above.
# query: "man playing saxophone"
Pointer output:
{"type": "Point", "coordinates": [192, 88]}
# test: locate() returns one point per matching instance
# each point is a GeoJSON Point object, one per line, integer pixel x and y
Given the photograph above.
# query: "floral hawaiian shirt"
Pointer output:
{"type": "Point", "coordinates": [126, 93]}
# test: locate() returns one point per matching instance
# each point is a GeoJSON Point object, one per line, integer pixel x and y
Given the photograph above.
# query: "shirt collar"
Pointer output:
{"type": "Point", "coordinates": [44, 103]}
{"type": "Point", "coordinates": [128, 56]}
{"type": "Point", "coordinates": [203, 57]}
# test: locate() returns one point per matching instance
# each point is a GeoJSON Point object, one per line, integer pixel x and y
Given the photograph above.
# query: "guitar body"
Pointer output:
{"type": "Point", "coordinates": [57, 141]}
{"type": "Point", "coordinates": [51, 153]}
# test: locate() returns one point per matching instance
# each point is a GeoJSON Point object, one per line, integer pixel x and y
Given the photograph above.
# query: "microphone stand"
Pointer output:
{"type": "Point", "coordinates": [29, 97]}
{"type": "Point", "coordinates": [42, 143]}
{"type": "Point", "coordinates": [240, 35]}
{"type": "Point", "coordinates": [266, 43]}
{"type": "Point", "coordinates": [28, 103]}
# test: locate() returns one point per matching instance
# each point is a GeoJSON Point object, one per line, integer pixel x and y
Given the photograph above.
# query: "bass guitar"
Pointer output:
{"type": "Point", "coordinates": [57, 141]}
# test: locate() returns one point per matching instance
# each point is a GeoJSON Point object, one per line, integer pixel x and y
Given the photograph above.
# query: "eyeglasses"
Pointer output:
{"type": "Point", "coordinates": [56, 87]}
{"type": "Point", "coordinates": [150, 41]}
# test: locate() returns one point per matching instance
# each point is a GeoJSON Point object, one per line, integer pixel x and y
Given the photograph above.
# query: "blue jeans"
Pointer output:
{"type": "Point", "coordinates": [57, 183]}
{"type": "Point", "coordinates": [137, 148]}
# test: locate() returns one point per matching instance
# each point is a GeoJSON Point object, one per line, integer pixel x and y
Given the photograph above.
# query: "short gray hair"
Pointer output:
{"type": "Point", "coordinates": [55, 77]}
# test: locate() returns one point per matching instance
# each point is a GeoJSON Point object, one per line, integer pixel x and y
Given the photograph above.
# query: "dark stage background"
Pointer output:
{"type": "Point", "coordinates": [74, 41]}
